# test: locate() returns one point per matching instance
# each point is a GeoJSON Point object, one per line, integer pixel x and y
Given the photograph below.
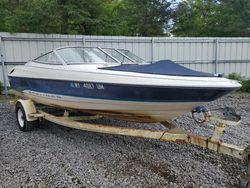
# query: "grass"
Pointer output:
{"type": "Point", "coordinates": [1, 87]}
{"type": "Point", "coordinates": [4, 99]}
{"type": "Point", "coordinates": [245, 82]}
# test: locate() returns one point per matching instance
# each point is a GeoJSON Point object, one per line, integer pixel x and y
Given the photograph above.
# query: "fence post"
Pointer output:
{"type": "Point", "coordinates": [216, 56]}
{"type": "Point", "coordinates": [152, 49]}
{"type": "Point", "coordinates": [3, 67]}
{"type": "Point", "coordinates": [83, 40]}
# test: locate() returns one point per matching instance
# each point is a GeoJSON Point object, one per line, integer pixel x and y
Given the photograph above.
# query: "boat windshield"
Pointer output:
{"type": "Point", "coordinates": [79, 55]}
{"type": "Point", "coordinates": [124, 59]}
{"type": "Point", "coordinates": [132, 56]}
{"type": "Point", "coordinates": [124, 56]}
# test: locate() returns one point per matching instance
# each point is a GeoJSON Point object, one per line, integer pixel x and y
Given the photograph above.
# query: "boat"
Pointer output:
{"type": "Point", "coordinates": [117, 83]}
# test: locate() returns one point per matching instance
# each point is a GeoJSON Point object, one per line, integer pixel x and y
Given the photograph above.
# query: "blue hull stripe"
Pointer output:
{"type": "Point", "coordinates": [118, 91]}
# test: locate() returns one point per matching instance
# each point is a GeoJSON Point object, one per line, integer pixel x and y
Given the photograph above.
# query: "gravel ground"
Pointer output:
{"type": "Point", "coordinates": [56, 156]}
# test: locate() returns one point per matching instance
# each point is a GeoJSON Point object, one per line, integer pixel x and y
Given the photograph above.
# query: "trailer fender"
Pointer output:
{"type": "Point", "coordinates": [29, 108]}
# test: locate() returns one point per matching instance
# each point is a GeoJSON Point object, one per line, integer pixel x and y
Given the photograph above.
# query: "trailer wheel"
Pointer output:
{"type": "Point", "coordinates": [22, 122]}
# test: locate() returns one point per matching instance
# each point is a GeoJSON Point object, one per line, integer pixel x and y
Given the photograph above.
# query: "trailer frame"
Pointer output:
{"type": "Point", "coordinates": [31, 114]}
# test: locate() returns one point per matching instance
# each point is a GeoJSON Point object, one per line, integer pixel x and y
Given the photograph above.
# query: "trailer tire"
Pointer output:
{"type": "Point", "coordinates": [22, 122]}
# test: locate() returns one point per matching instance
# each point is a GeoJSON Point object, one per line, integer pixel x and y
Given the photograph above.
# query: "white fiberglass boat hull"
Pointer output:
{"type": "Point", "coordinates": [130, 110]}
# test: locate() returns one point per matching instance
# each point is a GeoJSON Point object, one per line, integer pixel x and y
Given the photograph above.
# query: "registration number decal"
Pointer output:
{"type": "Point", "coordinates": [87, 85]}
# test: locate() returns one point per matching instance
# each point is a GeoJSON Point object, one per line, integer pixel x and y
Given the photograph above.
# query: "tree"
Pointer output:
{"type": "Point", "coordinates": [148, 17]}
{"type": "Point", "coordinates": [242, 9]}
{"type": "Point", "coordinates": [114, 19]}
{"type": "Point", "coordinates": [100, 17]}
{"type": "Point", "coordinates": [50, 16]}
{"type": "Point", "coordinates": [30, 16]}
{"type": "Point", "coordinates": [80, 17]}
{"type": "Point", "coordinates": [208, 18]}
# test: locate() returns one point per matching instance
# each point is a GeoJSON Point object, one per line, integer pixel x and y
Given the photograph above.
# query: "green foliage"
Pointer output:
{"type": "Point", "coordinates": [29, 16]}
{"type": "Point", "coordinates": [113, 20]}
{"type": "Point", "coordinates": [244, 82]}
{"type": "Point", "coordinates": [80, 17]}
{"type": "Point", "coordinates": [148, 17]}
{"type": "Point", "coordinates": [215, 18]}
{"type": "Point", "coordinates": [195, 18]}
{"type": "Point", "coordinates": [235, 76]}
{"type": "Point", "coordinates": [95, 17]}
{"type": "Point", "coordinates": [245, 86]}
{"type": "Point", "coordinates": [1, 88]}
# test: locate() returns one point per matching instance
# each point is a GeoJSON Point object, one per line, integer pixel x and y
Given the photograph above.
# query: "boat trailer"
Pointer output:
{"type": "Point", "coordinates": [28, 113]}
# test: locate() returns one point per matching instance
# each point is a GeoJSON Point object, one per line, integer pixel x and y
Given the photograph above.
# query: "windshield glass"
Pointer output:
{"type": "Point", "coordinates": [119, 56]}
{"type": "Point", "coordinates": [78, 55]}
{"type": "Point", "coordinates": [132, 56]}
{"type": "Point", "coordinates": [49, 58]}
